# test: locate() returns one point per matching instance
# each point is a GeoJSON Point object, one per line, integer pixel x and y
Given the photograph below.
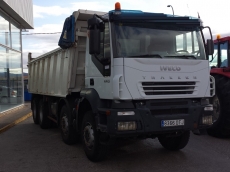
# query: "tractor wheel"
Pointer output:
{"type": "Point", "coordinates": [221, 108]}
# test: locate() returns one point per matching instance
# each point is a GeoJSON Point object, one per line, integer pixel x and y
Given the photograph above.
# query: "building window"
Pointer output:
{"type": "Point", "coordinates": [15, 37]}
{"type": "Point", "coordinates": [11, 91]}
{"type": "Point", "coordinates": [4, 31]}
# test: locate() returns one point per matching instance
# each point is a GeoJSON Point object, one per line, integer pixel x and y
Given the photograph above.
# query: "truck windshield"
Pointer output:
{"type": "Point", "coordinates": [151, 40]}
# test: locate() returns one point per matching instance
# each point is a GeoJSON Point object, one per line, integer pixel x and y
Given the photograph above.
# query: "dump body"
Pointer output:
{"type": "Point", "coordinates": [60, 72]}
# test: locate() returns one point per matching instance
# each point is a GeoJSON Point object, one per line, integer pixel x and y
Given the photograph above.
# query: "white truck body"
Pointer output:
{"type": "Point", "coordinates": [92, 89]}
{"type": "Point", "coordinates": [60, 72]}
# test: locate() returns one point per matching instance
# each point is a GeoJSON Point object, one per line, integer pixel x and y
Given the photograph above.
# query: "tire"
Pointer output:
{"type": "Point", "coordinates": [221, 108]}
{"type": "Point", "coordinates": [44, 121]}
{"type": "Point", "coordinates": [66, 126]}
{"type": "Point", "coordinates": [174, 143]}
{"type": "Point", "coordinates": [94, 150]}
{"type": "Point", "coordinates": [35, 111]}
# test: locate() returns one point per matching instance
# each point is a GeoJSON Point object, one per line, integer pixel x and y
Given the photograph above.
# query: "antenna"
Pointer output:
{"type": "Point", "coordinates": [188, 10]}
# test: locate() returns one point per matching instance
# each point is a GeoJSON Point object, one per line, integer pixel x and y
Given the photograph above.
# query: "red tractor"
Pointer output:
{"type": "Point", "coordinates": [220, 69]}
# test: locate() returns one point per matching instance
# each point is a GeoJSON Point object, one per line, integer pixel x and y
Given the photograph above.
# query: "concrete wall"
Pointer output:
{"type": "Point", "coordinates": [20, 10]}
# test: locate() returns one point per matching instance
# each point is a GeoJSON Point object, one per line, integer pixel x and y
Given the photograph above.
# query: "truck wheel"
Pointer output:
{"type": "Point", "coordinates": [43, 115]}
{"type": "Point", "coordinates": [67, 130]}
{"type": "Point", "coordinates": [94, 150]}
{"type": "Point", "coordinates": [175, 143]}
{"type": "Point", "coordinates": [35, 111]}
{"type": "Point", "coordinates": [221, 108]}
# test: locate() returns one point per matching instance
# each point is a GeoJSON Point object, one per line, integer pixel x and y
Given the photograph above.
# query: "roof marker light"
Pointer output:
{"type": "Point", "coordinates": [218, 36]}
{"type": "Point", "coordinates": [117, 6]}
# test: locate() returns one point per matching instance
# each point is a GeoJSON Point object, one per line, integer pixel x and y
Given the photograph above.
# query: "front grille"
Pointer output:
{"type": "Point", "coordinates": [169, 111]}
{"type": "Point", "coordinates": [170, 103]}
{"type": "Point", "coordinates": [168, 88]}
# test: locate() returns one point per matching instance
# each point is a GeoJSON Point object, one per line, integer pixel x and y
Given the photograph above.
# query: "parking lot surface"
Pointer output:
{"type": "Point", "coordinates": [27, 147]}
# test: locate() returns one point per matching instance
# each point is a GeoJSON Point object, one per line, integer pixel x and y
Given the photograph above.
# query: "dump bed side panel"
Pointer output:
{"type": "Point", "coordinates": [49, 75]}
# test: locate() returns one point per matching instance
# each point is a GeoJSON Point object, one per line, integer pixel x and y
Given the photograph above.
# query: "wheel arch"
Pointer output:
{"type": "Point", "coordinates": [90, 101]}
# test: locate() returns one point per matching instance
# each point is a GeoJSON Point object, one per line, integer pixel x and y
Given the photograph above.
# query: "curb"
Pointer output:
{"type": "Point", "coordinates": [11, 110]}
{"type": "Point", "coordinates": [15, 122]}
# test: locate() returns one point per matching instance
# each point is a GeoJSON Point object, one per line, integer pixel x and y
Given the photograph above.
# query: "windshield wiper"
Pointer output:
{"type": "Point", "coordinates": [148, 55]}
{"type": "Point", "coordinates": [185, 56]}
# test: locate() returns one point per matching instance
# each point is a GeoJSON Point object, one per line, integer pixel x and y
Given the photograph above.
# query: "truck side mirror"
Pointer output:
{"type": "Point", "coordinates": [94, 41]}
{"type": "Point", "coordinates": [210, 47]}
{"type": "Point", "coordinates": [95, 26]}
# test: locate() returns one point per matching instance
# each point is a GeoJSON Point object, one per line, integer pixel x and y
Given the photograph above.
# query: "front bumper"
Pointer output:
{"type": "Point", "coordinates": [149, 115]}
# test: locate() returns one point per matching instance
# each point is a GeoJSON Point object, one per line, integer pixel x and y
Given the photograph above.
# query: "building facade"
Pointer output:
{"type": "Point", "coordinates": [15, 16]}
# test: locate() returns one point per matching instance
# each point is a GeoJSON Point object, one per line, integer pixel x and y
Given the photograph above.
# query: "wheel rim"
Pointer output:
{"type": "Point", "coordinates": [89, 136]}
{"type": "Point", "coordinates": [65, 124]}
{"type": "Point", "coordinates": [216, 108]}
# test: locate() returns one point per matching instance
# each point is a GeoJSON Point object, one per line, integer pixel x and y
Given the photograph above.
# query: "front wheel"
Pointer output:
{"type": "Point", "coordinates": [94, 150]}
{"type": "Point", "coordinates": [174, 143]}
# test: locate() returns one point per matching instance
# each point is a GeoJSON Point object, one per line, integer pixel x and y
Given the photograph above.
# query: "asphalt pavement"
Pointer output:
{"type": "Point", "coordinates": [24, 147]}
{"type": "Point", "coordinates": [27, 147]}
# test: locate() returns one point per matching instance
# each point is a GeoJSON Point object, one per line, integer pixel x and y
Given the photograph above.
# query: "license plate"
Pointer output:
{"type": "Point", "coordinates": [172, 123]}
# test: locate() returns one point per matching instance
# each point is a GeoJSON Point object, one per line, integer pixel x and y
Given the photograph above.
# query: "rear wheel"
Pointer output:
{"type": "Point", "coordinates": [94, 149]}
{"type": "Point", "coordinates": [35, 111]}
{"type": "Point", "coordinates": [43, 115]}
{"type": "Point", "coordinates": [176, 142]}
{"type": "Point", "coordinates": [67, 129]}
{"type": "Point", "coordinates": [221, 108]}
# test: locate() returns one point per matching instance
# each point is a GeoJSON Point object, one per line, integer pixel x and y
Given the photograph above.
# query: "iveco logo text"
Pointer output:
{"type": "Point", "coordinates": [170, 68]}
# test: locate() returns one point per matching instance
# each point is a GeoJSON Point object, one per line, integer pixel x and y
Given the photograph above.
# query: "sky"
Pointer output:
{"type": "Point", "coordinates": [49, 17]}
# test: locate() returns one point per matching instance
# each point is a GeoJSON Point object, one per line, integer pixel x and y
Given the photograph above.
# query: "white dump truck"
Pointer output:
{"type": "Point", "coordinates": [129, 74]}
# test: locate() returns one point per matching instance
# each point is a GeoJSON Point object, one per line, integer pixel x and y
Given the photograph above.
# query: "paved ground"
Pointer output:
{"type": "Point", "coordinates": [12, 117]}
{"type": "Point", "coordinates": [26, 147]}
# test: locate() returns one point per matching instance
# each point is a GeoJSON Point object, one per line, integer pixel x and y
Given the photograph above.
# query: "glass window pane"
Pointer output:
{"type": "Point", "coordinates": [224, 54]}
{"type": "Point", "coordinates": [166, 40]}
{"type": "Point", "coordinates": [14, 59]}
{"type": "Point", "coordinates": [10, 79]}
{"type": "Point", "coordinates": [15, 37]}
{"type": "Point", "coordinates": [179, 42]}
{"type": "Point", "coordinates": [4, 31]}
{"type": "Point", "coordinates": [2, 58]}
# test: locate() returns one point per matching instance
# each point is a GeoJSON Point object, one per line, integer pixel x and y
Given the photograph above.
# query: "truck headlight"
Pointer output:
{"type": "Point", "coordinates": [125, 126]}
{"type": "Point", "coordinates": [208, 108]}
{"type": "Point", "coordinates": [125, 113]}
